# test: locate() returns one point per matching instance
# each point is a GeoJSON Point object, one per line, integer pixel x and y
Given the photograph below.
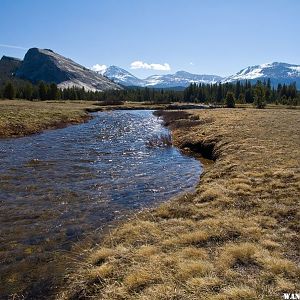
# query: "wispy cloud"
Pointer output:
{"type": "Point", "coordinates": [13, 46]}
{"type": "Point", "coordinates": [143, 65]}
{"type": "Point", "coordinates": [99, 68]}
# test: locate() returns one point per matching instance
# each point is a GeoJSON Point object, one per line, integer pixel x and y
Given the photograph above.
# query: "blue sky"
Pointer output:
{"type": "Point", "coordinates": [157, 36]}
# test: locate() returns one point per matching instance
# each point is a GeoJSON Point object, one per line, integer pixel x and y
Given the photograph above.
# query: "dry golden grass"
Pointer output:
{"type": "Point", "coordinates": [236, 237]}
{"type": "Point", "coordinates": [20, 117]}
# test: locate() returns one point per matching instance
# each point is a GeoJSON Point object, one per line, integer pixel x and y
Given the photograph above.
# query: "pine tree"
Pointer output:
{"type": "Point", "coordinates": [259, 98]}
{"type": "Point", "coordinates": [9, 91]}
{"type": "Point", "coordinates": [53, 92]}
{"type": "Point", "coordinates": [241, 98]}
{"type": "Point", "coordinates": [219, 97]}
{"type": "Point", "coordinates": [28, 91]}
{"type": "Point", "coordinates": [229, 100]}
{"type": "Point", "coordinates": [269, 84]}
{"type": "Point", "coordinates": [237, 89]}
{"type": "Point", "coordinates": [42, 91]}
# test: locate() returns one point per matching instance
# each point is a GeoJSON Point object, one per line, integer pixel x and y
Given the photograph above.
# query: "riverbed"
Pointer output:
{"type": "Point", "coordinates": [65, 186]}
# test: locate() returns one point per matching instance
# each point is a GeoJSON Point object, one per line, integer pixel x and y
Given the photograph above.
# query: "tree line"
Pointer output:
{"type": "Point", "coordinates": [259, 93]}
{"type": "Point", "coordinates": [44, 91]}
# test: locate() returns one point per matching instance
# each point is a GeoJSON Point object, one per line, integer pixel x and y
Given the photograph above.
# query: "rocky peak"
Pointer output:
{"type": "Point", "coordinates": [46, 65]}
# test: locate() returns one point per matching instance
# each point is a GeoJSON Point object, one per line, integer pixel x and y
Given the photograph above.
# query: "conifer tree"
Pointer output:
{"type": "Point", "coordinates": [259, 97]}
{"type": "Point", "coordinates": [229, 100]}
{"type": "Point", "coordinates": [53, 92]}
{"type": "Point", "coordinates": [9, 91]}
{"type": "Point", "coordinates": [42, 91]}
{"type": "Point", "coordinates": [241, 98]}
{"type": "Point", "coordinates": [28, 91]}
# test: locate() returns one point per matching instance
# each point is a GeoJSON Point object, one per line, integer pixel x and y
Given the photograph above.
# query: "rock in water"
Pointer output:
{"type": "Point", "coordinates": [48, 66]}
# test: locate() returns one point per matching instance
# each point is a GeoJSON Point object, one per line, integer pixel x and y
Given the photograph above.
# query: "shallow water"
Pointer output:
{"type": "Point", "coordinates": [61, 185]}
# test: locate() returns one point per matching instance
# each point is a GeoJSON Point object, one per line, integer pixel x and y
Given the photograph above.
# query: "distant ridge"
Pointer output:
{"type": "Point", "coordinates": [122, 76]}
{"type": "Point", "coordinates": [180, 79]}
{"type": "Point", "coordinates": [278, 72]}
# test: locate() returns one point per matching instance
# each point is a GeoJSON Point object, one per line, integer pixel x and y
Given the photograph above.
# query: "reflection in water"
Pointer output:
{"type": "Point", "coordinates": [60, 185]}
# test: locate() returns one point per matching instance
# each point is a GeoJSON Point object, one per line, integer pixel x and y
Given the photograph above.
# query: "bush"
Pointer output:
{"type": "Point", "coordinates": [259, 96]}
{"type": "Point", "coordinates": [229, 100]}
{"type": "Point", "coordinates": [259, 103]}
{"type": "Point", "coordinates": [9, 91]}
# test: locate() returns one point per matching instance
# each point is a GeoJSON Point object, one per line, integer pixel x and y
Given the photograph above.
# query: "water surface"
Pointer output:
{"type": "Point", "coordinates": [59, 186]}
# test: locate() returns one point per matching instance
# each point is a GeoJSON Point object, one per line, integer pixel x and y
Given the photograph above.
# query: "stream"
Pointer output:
{"type": "Point", "coordinates": [65, 186]}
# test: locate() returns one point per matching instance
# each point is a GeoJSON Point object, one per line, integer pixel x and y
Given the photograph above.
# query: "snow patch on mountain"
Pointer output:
{"type": "Point", "coordinates": [179, 79]}
{"type": "Point", "coordinates": [121, 76]}
{"type": "Point", "coordinates": [277, 72]}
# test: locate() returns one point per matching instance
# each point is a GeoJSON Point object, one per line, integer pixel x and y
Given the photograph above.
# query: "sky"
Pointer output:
{"type": "Point", "coordinates": [149, 37]}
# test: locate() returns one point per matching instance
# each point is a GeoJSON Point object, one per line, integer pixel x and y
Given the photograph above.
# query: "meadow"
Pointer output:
{"type": "Point", "coordinates": [21, 117]}
{"type": "Point", "coordinates": [235, 237]}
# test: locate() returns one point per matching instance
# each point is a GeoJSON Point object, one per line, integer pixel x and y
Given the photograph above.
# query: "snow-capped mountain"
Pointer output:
{"type": "Point", "coordinates": [277, 72]}
{"type": "Point", "coordinates": [179, 79]}
{"type": "Point", "coordinates": [121, 76]}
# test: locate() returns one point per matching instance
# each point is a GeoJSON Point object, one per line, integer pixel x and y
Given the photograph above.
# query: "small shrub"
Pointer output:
{"type": "Point", "coordinates": [229, 100]}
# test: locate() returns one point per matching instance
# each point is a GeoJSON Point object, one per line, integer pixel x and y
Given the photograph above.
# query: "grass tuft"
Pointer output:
{"type": "Point", "coordinates": [188, 269]}
{"type": "Point", "coordinates": [234, 255]}
{"type": "Point", "coordinates": [139, 279]}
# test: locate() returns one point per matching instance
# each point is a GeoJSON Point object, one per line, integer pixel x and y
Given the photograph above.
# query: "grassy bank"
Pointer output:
{"type": "Point", "coordinates": [236, 237]}
{"type": "Point", "coordinates": [20, 117]}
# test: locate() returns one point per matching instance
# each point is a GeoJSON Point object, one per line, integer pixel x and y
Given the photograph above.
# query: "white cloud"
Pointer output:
{"type": "Point", "coordinates": [191, 63]}
{"type": "Point", "coordinates": [12, 46]}
{"type": "Point", "coordinates": [142, 65]}
{"type": "Point", "coordinates": [99, 68]}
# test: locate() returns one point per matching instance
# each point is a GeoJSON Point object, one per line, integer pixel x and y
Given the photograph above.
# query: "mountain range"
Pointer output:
{"type": "Point", "coordinates": [46, 65]}
{"type": "Point", "coordinates": [277, 72]}
{"type": "Point", "coordinates": [179, 79]}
